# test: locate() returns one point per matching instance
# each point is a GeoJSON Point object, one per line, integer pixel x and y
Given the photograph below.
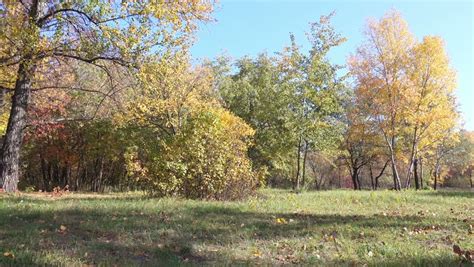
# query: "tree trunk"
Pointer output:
{"type": "Point", "coordinates": [396, 177]}
{"type": "Point", "coordinates": [354, 174]}
{"type": "Point", "coordinates": [380, 174]}
{"type": "Point", "coordinates": [10, 158]}
{"type": "Point", "coordinates": [372, 181]}
{"type": "Point", "coordinates": [412, 159]}
{"type": "Point", "coordinates": [421, 172]}
{"type": "Point", "coordinates": [296, 185]}
{"type": "Point", "coordinates": [470, 178]}
{"type": "Point", "coordinates": [436, 175]}
{"type": "Point", "coordinates": [415, 169]}
{"type": "Point", "coordinates": [358, 182]}
{"type": "Point", "coordinates": [305, 155]}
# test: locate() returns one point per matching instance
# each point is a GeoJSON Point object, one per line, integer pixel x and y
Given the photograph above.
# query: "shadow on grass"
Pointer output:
{"type": "Point", "coordinates": [448, 193]}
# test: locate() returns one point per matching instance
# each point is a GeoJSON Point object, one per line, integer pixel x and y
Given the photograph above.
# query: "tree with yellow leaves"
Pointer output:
{"type": "Point", "coordinates": [381, 84]}
{"type": "Point", "coordinates": [407, 89]}
{"type": "Point", "coordinates": [38, 33]}
{"type": "Point", "coordinates": [430, 103]}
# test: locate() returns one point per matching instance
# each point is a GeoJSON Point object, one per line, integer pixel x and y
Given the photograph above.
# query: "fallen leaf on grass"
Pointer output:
{"type": "Point", "coordinates": [257, 253]}
{"type": "Point", "coordinates": [9, 254]}
{"type": "Point", "coordinates": [465, 255]}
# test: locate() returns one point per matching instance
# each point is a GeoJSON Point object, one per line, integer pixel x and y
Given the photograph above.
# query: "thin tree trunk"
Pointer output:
{"type": "Point", "coordinates": [436, 175]}
{"type": "Point", "coordinates": [421, 173]}
{"type": "Point", "coordinates": [470, 178]}
{"type": "Point", "coordinates": [415, 169]}
{"type": "Point", "coordinates": [391, 147]}
{"type": "Point", "coordinates": [372, 181]}
{"type": "Point", "coordinates": [380, 174]}
{"type": "Point", "coordinates": [412, 159]}
{"type": "Point", "coordinates": [296, 185]}
{"type": "Point", "coordinates": [305, 154]}
{"type": "Point", "coordinates": [10, 158]}
{"type": "Point", "coordinates": [396, 178]}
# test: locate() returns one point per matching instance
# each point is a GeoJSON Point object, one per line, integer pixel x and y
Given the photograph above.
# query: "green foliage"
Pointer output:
{"type": "Point", "coordinates": [293, 100]}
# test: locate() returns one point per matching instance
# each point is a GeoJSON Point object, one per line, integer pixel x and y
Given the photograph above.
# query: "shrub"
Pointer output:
{"type": "Point", "coordinates": [206, 159]}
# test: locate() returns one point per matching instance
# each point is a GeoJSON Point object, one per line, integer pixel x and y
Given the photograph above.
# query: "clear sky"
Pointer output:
{"type": "Point", "coordinates": [250, 27]}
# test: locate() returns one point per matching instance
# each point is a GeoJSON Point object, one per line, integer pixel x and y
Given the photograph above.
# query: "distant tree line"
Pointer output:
{"type": "Point", "coordinates": [99, 97]}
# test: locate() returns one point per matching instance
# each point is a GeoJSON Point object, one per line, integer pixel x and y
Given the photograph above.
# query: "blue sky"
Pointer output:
{"type": "Point", "coordinates": [250, 27]}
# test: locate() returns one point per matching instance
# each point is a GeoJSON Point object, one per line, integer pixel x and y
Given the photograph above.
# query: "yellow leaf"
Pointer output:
{"type": "Point", "coordinates": [9, 255]}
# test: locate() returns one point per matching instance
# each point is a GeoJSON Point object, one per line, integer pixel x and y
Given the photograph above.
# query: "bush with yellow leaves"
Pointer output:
{"type": "Point", "coordinates": [206, 159]}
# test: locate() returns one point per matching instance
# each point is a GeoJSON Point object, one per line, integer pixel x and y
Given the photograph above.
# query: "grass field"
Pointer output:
{"type": "Point", "coordinates": [276, 227]}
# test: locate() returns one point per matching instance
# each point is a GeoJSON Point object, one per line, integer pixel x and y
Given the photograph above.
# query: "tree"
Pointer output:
{"type": "Point", "coordinates": [37, 34]}
{"type": "Point", "coordinates": [303, 113]}
{"type": "Point", "coordinates": [440, 155]}
{"type": "Point", "coordinates": [430, 107]}
{"type": "Point", "coordinates": [460, 162]}
{"type": "Point", "coordinates": [182, 142]}
{"type": "Point", "coordinates": [407, 87]}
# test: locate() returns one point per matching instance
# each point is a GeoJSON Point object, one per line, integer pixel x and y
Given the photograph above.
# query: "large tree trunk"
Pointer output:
{"type": "Point", "coordinates": [10, 158]}
{"type": "Point", "coordinates": [355, 181]}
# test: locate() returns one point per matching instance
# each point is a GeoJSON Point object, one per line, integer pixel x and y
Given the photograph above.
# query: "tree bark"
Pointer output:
{"type": "Point", "coordinates": [359, 187]}
{"type": "Point", "coordinates": [421, 172]}
{"type": "Point", "coordinates": [296, 185]}
{"type": "Point", "coordinates": [10, 158]}
{"type": "Point", "coordinates": [470, 178]}
{"type": "Point", "coordinates": [372, 181]}
{"type": "Point", "coordinates": [415, 169]}
{"type": "Point", "coordinates": [396, 177]}
{"type": "Point", "coordinates": [305, 155]}
{"type": "Point", "coordinates": [436, 175]}
{"type": "Point", "coordinates": [354, 174]}
{"type": "Point", "coordinates": [376, 178]}
{"type": "Point", "coordinates": [412, 159]}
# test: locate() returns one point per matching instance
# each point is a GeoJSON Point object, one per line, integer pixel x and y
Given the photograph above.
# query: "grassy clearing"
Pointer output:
{"type": "Point", "coordinates": [277, 227]}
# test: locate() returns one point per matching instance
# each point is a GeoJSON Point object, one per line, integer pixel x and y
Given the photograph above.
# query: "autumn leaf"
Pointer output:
{"type": "Point", "coordinates": [257, 253]}
{"type": "Point", "coordinates": [9, 254]}
{"type": "Point", "coordinates": [62, 228]}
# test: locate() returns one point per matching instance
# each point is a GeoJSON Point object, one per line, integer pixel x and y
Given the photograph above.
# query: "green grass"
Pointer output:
{"type": "Point", "coordinates": [277, 227]}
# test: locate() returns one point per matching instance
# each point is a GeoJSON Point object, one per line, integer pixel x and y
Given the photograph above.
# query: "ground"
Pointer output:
{"type": "Point", "coordinates": [275, 227]}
